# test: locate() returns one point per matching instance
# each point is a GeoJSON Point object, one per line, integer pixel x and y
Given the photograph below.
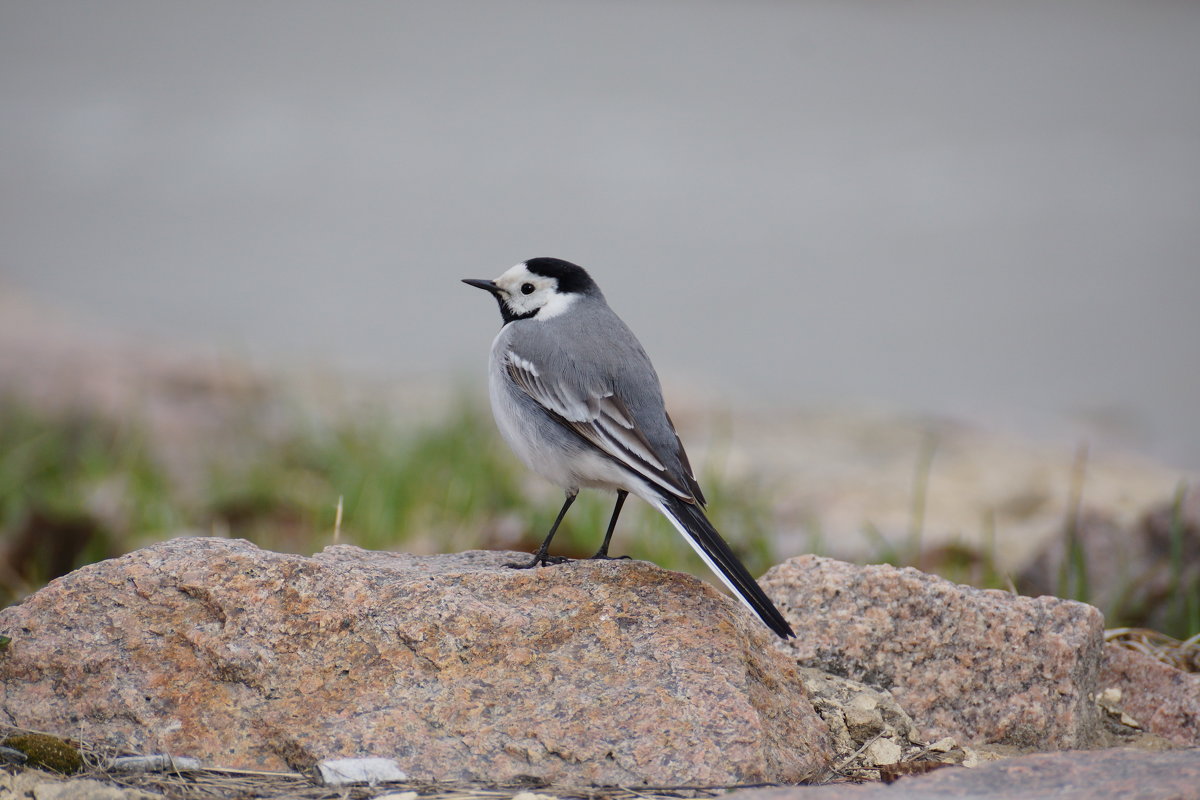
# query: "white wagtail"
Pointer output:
{"type": "Point", "coordinates": [576, 397]}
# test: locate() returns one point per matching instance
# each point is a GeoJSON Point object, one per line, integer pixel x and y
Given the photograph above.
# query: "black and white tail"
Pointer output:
{"type": "Point", "coordinates": [689, 519]}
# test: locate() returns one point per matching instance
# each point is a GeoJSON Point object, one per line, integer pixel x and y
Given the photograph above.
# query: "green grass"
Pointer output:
{"type": "Point", "coordinates": [78, 489]}
{"type": "Point", "coordinates": [1183, 595]}
{"type": "Point", "coordinates": [59, 466]}
{"type": "Point", "coordinates": [445, 487]}
{"type": "Point", "coordinates": [395, 485]}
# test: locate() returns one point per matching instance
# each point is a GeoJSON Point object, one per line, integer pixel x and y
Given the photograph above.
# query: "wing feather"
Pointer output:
{"type": "Point", "coordinates": [603, 420]}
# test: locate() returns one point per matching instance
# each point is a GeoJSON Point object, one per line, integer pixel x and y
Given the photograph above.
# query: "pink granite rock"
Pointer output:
{"type": "Point", "coordinates": [1119, 774]}
{"type": "Point", "coordinates": [1165, 701]}
{"type": "Point", "coordinates": [598, 672]}
{"type": "Point", "coordinates": [983, 666]}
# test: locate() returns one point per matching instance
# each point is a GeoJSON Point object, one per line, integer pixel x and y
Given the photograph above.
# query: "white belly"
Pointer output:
{"type": "Point", "coordinates": [546, 447]}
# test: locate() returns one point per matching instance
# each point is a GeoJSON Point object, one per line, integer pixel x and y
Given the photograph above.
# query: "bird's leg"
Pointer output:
{"type": "Point", "coordinates": [541, 557]}
{"type": "Point", "coordinates": [612, 525]}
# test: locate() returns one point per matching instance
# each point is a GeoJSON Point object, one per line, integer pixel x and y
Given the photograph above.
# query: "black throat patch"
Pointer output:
{"type": "Point", "coordinates": [507, 314]}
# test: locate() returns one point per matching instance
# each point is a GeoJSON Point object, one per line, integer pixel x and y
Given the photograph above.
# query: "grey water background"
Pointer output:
{"type": "Point", "coordinates": [989, 210]}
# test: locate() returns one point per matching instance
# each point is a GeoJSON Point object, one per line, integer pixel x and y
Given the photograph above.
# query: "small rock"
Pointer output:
{"type": "Point", "coordinates": [1109, 702]}
{"type": "Point", "coordinates": [882, 753]}
{"type": "Point", "coordinates": [347, 771]}
{"type": "Point", "coordinates": [971, 758]}
{"type": "Point", "coordinates": [863, 718]}
{"type": "Point", "coordinates": [943, 745]}
{"type": "Point", "coordinates": [982, 666]}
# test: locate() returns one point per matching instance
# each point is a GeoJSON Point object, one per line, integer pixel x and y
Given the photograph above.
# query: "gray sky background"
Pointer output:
{"type": "Point", "coordinates": [984, 209]}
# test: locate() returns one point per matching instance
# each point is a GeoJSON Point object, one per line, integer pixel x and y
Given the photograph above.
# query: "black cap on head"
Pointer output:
{"type": "Point", "coordinates": [572, 278]}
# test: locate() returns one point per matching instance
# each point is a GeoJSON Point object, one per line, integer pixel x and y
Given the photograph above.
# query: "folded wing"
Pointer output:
{"type": "Point", "coordinates": [602, 419]}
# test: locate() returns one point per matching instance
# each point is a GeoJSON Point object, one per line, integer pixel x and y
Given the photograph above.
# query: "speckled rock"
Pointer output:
{"type": "Point", "coordinates": [455, 666]}
{"type": "Point", "coordinates": [1163, 700]}
{"type": "Point", "coordinates": [981, 666]}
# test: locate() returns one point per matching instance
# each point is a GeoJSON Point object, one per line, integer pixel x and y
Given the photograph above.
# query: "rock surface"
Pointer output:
{"type": "Point", "coordinates": [981, 666]}
{"type": "Point", "coordinates": [455, 666]}
{"type": "Point", "coordinates": [1163, 700]}
{"type": "Point", "coordinates": [1095, 775]}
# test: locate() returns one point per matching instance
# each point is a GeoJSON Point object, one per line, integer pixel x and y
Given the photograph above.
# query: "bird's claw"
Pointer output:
{"type": "Point", "coordinates": [540, 560]}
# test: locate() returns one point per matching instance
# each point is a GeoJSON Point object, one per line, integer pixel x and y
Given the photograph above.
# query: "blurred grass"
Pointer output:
{"type": "Point", "coordinates": [1137, 598]}
{"type": "Point", "coordinates": [1183, 595]}
{"type": "Point", "coordinates": [58, 478]}
{"type": "Point", "coordinates": [396, 485]}
{"type": "Point", "coordinates": [74, 491]}
{"type": "Point", "coordinates": [79, 489]}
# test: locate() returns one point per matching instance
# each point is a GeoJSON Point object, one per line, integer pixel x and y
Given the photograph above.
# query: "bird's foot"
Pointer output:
{"type": "Point", "coordinates": [540, 559]}
{"type": "Point", "coordinates": [601, 555]}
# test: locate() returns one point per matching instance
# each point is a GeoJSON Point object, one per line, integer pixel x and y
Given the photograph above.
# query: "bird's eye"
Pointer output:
{"type": "Point", "coordinates": [526, 288]}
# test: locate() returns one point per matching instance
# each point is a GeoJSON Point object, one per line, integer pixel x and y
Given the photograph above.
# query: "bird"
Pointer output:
{"type": "Point", "coordinates": [575, 396]}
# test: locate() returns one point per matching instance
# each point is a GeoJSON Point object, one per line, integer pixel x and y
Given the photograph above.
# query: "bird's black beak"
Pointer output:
{"type": "Point", "coordinates": [489, 286]}
{"type": "Point", "coordinates": [499, 294]}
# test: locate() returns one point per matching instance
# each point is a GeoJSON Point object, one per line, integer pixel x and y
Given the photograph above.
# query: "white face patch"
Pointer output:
{"type": "Point", "coordinates": [525, 293]}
